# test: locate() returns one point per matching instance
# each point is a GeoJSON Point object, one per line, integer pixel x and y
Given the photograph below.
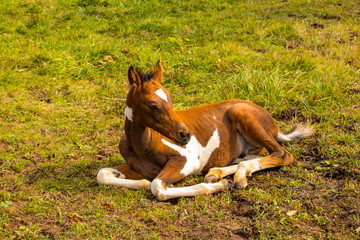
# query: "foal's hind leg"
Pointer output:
{"type": "Point", "coordinates": [246, 168]}
{"type": "Point", "coordinates": [217, 173]}
{"type": "Point", "coordinates": [260, 130]}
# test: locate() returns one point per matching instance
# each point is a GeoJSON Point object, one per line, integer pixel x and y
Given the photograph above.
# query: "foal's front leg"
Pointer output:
{"type": "Point", "coordinates": [122, 176]}
{"type": "Point", "coordinates": [171, 173]}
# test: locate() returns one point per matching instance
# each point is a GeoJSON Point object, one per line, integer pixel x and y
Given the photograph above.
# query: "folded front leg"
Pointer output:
{"type": "Point", "coordinates": [162, 192]}
{"type": "Point", "coordinates": [171, 173]}
{"type": "Point", "coordinates": [122, 176]}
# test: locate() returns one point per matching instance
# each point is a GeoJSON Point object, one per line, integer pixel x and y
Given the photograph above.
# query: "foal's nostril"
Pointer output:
{"type": "Point", "coordinates": [184, 135]}
{"type": "Point", "coordinates": [181, 134]}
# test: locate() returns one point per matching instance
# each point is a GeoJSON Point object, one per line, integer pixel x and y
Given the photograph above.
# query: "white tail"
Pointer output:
{"type": "Point", "coordinates": [298, 132]}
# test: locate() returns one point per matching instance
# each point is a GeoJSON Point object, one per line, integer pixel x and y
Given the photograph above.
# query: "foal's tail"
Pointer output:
{"type": "Point", "coordinates": [298, 132]}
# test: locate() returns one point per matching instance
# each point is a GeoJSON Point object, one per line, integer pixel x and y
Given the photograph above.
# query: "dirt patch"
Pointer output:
{"type": "Point", "coordinates": [317, 26]}
{"type": "Point", "coordinates": [261, 50]}
{"type": "Point", "coordinates": [351, 126]}
{"type": "Point", "coordinates": [296, 15]}
{"type": "Point", "coordinates": [353, 36]}
{"type": "Point", "coordinates": [206, 229]}
{"type": "Point", "coordinates": [291, 45]}
{"type": "Point", "coordinates": [354, 90]}
{"type": "Point", "coordinates": [41, 95]}
{"type": "Point", "coordinates": [311, 151]}
{"type": "Point", "coordinates": [329, 204]}
{"type": "Point", "coordinates": [290, 114]}
{"type": "Point", "coordinates": [328, 16]}
{"type": "Point", "coordinates": [103, 153]}
{"type": "Point", "coordinates": [312, 155]}
{"type": "Point", "coordinates": [339, 172]}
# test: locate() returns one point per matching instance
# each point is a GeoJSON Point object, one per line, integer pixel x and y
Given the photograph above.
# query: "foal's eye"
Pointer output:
{"type": "Point", "coordinates": [153, 107]}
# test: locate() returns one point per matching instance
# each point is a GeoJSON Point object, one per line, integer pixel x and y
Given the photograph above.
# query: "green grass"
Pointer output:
{"type": "Point", "coordinates": [298, 59]}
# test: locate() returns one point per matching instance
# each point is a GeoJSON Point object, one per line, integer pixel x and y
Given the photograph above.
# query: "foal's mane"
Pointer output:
{"type": "Point", "coordinates": [145, 77]}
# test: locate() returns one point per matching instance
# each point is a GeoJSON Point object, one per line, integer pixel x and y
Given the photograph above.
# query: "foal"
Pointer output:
{"type": "Point", "coordinates": [162, 146]}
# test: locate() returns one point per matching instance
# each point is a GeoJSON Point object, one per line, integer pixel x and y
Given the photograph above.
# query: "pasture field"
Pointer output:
{"type": "Point", "coordinates": [63, 67]}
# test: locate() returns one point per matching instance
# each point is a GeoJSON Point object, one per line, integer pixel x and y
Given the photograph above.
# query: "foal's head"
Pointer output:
{"type": "Point", "coordinates": [151, 105]}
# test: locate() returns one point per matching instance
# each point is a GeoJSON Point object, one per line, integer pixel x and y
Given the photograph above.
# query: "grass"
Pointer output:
{"type": "Point", "coordinates": [298, 59]}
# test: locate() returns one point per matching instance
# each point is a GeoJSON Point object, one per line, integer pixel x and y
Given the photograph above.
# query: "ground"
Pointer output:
{"type": "Point", "coordinates": [63, 68]}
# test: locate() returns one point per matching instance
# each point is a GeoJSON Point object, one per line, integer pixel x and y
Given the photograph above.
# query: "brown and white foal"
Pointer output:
{"type": "Point", "coordinates": [162, 146]}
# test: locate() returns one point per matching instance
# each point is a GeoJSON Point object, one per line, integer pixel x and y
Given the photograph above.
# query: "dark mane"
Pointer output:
{"type": "Point", "coordinates": [145, 77]}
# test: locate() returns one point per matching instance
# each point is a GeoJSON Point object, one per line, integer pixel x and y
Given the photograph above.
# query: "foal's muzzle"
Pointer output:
{"type": "Point", "coordinates": [183, 134]}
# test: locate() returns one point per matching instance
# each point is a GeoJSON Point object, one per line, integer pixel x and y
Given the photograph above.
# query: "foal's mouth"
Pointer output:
{"type": "Point", "coordinates": [181, 143]}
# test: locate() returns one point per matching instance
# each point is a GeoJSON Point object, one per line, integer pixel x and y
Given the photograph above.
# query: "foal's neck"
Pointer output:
{"type": "Point", "coordinates": [139, 136]}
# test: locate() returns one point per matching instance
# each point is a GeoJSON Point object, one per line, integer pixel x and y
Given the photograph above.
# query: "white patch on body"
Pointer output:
{"type": "Point", "coordinates": [196, 155]}
{"type": "Point", "coordinates": [128, 113]}
{"type": "Point", "coordinates": [161, 94]}
{"type": "Point", "coordinates": [214, 117]}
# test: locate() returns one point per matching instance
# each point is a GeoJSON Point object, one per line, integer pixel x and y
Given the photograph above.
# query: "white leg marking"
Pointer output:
{"type": "Point", "coordinates": [163, 194]}
{"type": "Point", "coordinates": [226, 171]}
{"type": "Point", "coordinates": [217, 173]}
{"type": "Point", "coordinates": [196, 155]}
{"type": "Point", "coordinates": [161, 94]}
{"type": "Point", "coordinates": [221, 172]}
{"type": "Point", "coordinates": [111, 176]}
{"type": "Point", "coordinates": [128, 113]}
{"type": "Point", "coordinates": [245, 169]}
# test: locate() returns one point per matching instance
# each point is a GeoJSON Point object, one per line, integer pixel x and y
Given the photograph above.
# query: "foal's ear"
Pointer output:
{"type": "Point", "coordinates": [157, 75]}
{"type": "Point", "coordinates": [134, 78]}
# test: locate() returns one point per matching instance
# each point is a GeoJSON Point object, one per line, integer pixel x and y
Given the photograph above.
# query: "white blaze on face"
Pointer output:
{"type": "Point", "coordinates": [128, 113]}
{"type": "Point", "coordinates": [161, 94]}
{"type": "Point", "coordinates": [196, 155]}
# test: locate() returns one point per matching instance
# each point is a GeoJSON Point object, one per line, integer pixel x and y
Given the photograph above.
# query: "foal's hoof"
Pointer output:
{"type": "Point", "coordinates": [226, 185]}
{"type": "Point", "coordinates": [211, 179]}
{"type": "Point", "coordinates": [241, 184]}
{"type": "Point", "coordinates": [230, 184]}
{"type": "Point", "coordinates": [213, 175]}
